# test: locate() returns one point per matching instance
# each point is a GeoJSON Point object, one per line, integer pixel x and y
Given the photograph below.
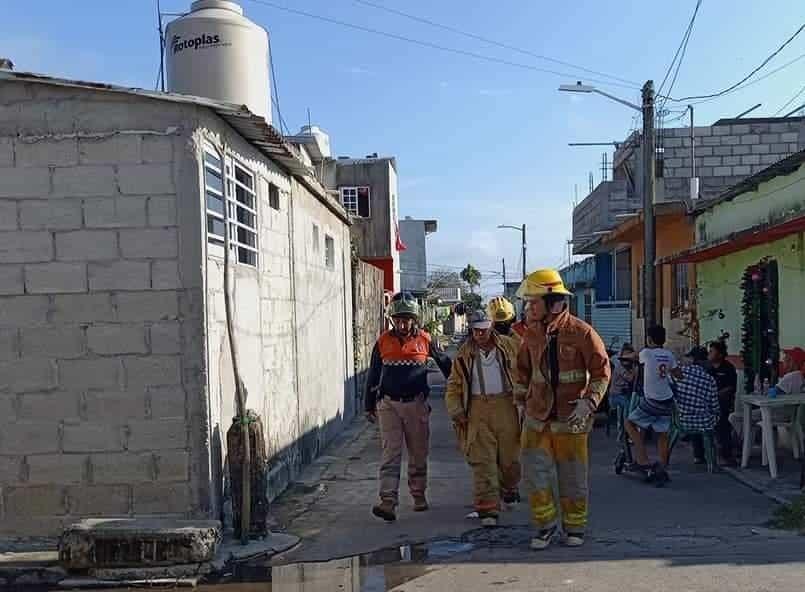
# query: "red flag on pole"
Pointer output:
{"type": "Point", "coordinates": [399, 243]}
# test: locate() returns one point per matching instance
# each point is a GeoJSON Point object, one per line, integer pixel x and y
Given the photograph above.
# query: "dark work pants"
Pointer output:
{"type": "Point", "coordinates": [724, 428]}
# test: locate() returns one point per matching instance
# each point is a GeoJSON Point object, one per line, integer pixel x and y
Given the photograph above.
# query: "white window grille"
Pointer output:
{"type": "Point", "coordinates": [356, 201]}
{"type": "Point", "coordinates": [237, 206]}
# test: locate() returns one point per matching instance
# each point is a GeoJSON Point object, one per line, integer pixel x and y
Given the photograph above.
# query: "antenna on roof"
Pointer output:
{"type": "Point", "coordinates": [795, 110]}
{"type": "Point", "coordinates": [161, 80]}
{"type": "Point", "coordinates": [748, 111]}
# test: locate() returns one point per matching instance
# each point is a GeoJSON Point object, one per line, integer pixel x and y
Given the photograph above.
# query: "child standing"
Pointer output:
{"type": "Point", "coordinates": [657, 405]}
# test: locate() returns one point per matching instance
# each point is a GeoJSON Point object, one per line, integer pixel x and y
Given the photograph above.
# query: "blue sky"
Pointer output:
{"type": "Point", "coordinates": [478, 144]}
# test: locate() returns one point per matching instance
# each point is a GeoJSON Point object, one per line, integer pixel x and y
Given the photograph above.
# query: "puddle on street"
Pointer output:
{"type": "Point", "coordinates": [378, 571]}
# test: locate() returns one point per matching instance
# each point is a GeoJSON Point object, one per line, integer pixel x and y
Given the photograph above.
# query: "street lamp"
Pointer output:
{"type": "Point", "coordinates": [587, 88]}
{"type": "Point", "coordinates": [519, 229]}
{"type": "Point", "coordinates": [649, 189]}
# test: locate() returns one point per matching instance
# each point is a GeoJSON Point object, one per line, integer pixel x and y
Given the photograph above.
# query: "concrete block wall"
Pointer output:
{"type": "Point", "coordinates": [323, 311]}
{"type": "Point", "coordinates": [97, 386]}
{"type": "Point", "coordinates": [290, 315]}
{"type": "Point", "coordinates": [727, 153]}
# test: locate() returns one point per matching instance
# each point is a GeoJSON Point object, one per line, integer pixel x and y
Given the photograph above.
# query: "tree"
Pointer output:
{"type": "Point", "coordinates": [472, 276]}
{"type": "Point", "coordinates": [472, 301]}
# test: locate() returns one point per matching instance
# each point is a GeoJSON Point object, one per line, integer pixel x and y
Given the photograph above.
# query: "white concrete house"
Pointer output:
{"type": "Point", "coordinates": [116, 386]}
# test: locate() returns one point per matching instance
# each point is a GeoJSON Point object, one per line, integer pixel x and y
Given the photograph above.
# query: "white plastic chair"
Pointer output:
{"type": "Point", "coordinates": [793, 429]}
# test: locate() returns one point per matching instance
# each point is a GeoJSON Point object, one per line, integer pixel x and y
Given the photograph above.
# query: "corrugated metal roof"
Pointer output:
{"type": "Point", "coordinates": [253, 128]}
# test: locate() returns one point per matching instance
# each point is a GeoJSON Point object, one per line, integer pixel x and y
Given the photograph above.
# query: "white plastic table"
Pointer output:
{"type": "Point", "coordinates": [765, 404]}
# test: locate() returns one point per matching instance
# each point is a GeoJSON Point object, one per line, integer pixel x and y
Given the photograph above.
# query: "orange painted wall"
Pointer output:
{"type": "Point", "coordinates": [674, 233]}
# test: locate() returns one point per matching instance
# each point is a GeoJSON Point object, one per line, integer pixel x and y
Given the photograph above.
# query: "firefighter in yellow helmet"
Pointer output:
{"type": "Point", "coordinates": [562, 374]}
{"type": "Point", "coordinates": [503, 315]}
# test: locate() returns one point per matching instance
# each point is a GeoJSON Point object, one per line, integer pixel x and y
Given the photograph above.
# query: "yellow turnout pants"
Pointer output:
{"type": "Point", "coordinates": [493, 450]}
{"type": "Point", "coordinates": [547, 455]}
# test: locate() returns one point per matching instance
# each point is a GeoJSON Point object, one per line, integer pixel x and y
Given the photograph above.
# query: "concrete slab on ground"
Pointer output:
{"type": "Point", "coordinates": [138, 543]}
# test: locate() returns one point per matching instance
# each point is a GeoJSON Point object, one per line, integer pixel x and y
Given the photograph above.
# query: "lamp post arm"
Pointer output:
{"type": "Point", "coordinates": [617, 100]}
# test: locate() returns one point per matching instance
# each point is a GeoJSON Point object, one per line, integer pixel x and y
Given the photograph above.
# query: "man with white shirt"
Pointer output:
{"type": "Point", "coordinates": [479, 399]}
{"type": "Point", "coordinates": [657, 404]}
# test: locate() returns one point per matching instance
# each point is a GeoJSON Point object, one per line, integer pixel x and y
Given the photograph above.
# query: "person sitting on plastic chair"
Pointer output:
{"type": "Point", "coordinates": [698, 411]}
{"type": "Point", "coordinates": [657, 404]}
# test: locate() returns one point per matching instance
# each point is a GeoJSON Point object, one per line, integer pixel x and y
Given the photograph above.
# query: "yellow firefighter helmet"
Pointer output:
{"type": "Point", "coordinates": [542, 282]}
{"type": "Point", "coordinates": [500, 309]}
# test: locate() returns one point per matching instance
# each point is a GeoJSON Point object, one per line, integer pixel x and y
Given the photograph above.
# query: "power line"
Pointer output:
{"type": "Point", "coordinates": [791, 100]}
{"type": "Point", "coordinates": [684, 47]}
{"type": "Point", "coordinates": [430, 45]}
{"type": "Point", "coordinates": [745, 78]}
{"type": "Point", "coordinates": [757, 80]}
{"type": "Point", "coordinates": [477, 37]}
{"type": "Point", "coordinates": [682, 44]}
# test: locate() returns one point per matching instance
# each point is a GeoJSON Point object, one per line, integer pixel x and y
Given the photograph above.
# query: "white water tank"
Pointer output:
{"type": "Point", "coordinates": [321, 138]}
{"type": "Point", "coordinates": [216, 52]}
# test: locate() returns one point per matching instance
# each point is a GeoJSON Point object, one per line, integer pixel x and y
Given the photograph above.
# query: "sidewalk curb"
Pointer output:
{"type": "Point", "coordinates": [740, 478]}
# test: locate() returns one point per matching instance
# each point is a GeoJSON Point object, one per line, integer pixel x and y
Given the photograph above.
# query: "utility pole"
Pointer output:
{"type": "Point", "coordinates": [692, 145]}
{"type": "Point", "coordinates": [649, 222]}
{"type": "Point", "coordinates": [524, 262]}
{"type": "Point", "coordinates": [504, 275]}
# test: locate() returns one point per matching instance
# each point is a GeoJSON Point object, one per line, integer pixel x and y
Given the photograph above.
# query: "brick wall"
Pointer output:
{"type": "Point", "coordinates": [291, 314]}
{"type": "Point", "coordinates": [94, 314]}
{"type": "Point", "coordinates": [727, 153]}
{"type": "Point", "coordinates": [116, 385]}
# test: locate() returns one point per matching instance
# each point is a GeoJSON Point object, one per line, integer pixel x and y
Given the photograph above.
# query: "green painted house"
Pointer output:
{"type": "Point", "coordinates": [750, 267]}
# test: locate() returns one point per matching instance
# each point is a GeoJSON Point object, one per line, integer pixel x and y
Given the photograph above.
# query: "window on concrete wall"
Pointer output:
{"type": "Point", "coordinates": [588, 306]}
{"type": "Point", "coordinates": [237, 206]}
{"type": "Point", "coordinates": [356, 201]}
{"type": "Point", "coordinates": [214, 196]}
{"type": "Point", "coordinates": [273, 196]}
{"type": "Point", "coordinates": [316, 245]}
{"type": "Point", "coordinates": [329, 252]}
{"type": "Point", "coordinates": [680, 293]}
{"type": "Point", "coordinates": [242, 212]}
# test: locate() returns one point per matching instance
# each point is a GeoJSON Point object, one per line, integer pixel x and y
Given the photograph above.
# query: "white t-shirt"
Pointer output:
{"type": "Point", "coordinates": [657, 365]}
{"type": "Point", "coordinates": [490, 367]}
{"type": "Point", "coordinates": [791, 383]}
